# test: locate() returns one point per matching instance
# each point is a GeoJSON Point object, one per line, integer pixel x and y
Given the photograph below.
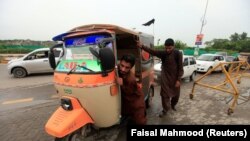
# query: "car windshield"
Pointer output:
{"type": "Point", "coordinates": [206, 58]}
{"type": "Point", "coordinates": [78, 54]}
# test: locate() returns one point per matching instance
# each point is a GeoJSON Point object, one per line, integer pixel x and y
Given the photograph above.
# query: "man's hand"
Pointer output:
{"type": "Point", "coordinates": [119, 80]}
{"type": "Point", "coordinates": [177, 84]}
{"type": "Point", "coordinates": [139, 44]}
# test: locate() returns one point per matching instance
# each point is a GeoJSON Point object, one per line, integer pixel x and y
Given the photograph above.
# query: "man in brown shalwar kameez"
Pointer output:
{"type": "Point", "coordinates": [133, 104]}
{"type": "Point", "coordinates": [172, 71]}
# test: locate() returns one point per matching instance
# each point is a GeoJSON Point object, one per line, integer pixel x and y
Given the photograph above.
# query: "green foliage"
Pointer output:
{"type": "Point", "coordinates": [243, 36]}
{"type": "Point", "coordinates": [23, 46]}
{"type": "Point", "coordinates": [159, 47]}
{"type": "Point", "coordinates": [178, 45]}
{"type": "Point", "coordinates": [17, 48]}
{"type": "Point", "coordinates": [190, 51]}
{"type": "Point", "coordinates": [235, 37]}
{"type": "Point", "coordinates": [237, 42]}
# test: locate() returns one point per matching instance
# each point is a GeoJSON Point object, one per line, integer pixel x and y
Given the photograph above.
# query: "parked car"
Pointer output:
{"type": "Point", "coordinates": [230, 58]}
{"type": "Point", "coordinates": [205, 62]}
{"type": "Point", "coordinates": [189, 67]}
{"type": "Point", "coordinates": [33, 62]}
{"type": "Point", "coordinates": [222, 53]}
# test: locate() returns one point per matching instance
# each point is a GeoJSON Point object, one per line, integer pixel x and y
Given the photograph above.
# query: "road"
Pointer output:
{"type": "Point", "coordinates": [21, 92]}
{"type": "Point", "coordinates": [9, 82]}
{"type": "Point", "coordinates": [26, 105]}
{"type": "Point", "coordinates": [15, 98]}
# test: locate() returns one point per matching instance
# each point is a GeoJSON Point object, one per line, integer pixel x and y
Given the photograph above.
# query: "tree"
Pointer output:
{"type": "Point", "coordinates": [244, 45]}
{"type": "Point", "coordinates": [243, 36]}
{"type": "Point", "coordinates": [235, 37]}
{"type": "Point", "coordinates": [219, 43]}
{"type": "Point", "coordinates": [237, 42]}
{"type": "Point", "coordinates": [208, 43]}
{"type": "Point", "coordinates": [180, 45]}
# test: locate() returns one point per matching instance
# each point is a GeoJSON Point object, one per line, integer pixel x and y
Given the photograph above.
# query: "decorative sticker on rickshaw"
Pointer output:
{"type": "Point", "coordinates": [66, 79]}
{"type": "Point", "coordinates": [67, 91]}
{"type": "Point", "coordinates": [80, 81]}
{"type": "Point", "coordinates": [78, 65]}
{"type": "Point", "coordinates": [79, 56]}
{"type": "Point", "coordinates": [83, 56]}
{"type": "Point", "coordinates": [81, 41]}
{"type": "Point", "coordinates": [145, 55]}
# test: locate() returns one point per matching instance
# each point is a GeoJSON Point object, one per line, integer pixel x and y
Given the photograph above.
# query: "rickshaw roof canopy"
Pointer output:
{"type": "Point", "coordinates": [95, 28]}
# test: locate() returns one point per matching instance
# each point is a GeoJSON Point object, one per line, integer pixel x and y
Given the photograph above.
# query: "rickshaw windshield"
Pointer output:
{"type": "Point", "coordinates": [78, 58]}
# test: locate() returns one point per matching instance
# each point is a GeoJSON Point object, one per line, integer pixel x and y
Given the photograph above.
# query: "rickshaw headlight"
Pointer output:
{"type": "Point", "coordinates": [66, 104]}
{"type": "Point", "coordinates": [114, 90]}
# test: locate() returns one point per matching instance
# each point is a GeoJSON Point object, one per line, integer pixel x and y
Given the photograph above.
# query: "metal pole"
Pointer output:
{"type": "Point", "coordinates": [202, 25]}
{"type": "Point", "coordinates": [203, 19]}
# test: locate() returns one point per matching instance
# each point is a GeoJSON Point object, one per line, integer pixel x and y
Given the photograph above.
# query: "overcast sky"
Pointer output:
{"type": "Point", "coordinates": [177, 19]}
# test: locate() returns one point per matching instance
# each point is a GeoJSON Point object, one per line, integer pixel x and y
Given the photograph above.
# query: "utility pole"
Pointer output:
{"type": "Point", "coordinates": [203, 19]}
{"type": "Point", "coordinates": [200, 36]}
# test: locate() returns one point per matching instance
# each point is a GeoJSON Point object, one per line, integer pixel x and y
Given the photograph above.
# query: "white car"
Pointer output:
{"type": "Point", "coordinates": [205, 62]}
{"type": "Point", "coordinates": [34, 62]}
{"type": "Point", "coordinates": [189, 67]}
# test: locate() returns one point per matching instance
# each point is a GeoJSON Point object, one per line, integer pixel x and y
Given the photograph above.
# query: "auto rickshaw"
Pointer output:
{"type": "Point", "coordinates": [84, 77]}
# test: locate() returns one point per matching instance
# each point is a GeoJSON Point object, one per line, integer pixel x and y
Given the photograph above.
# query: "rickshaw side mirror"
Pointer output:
{"type": "Point", "coordinates": [94, 51]}
{"type": "Point", "coordinates": [107, 59]}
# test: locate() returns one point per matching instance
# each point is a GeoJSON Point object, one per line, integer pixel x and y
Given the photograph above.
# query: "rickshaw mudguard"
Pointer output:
{"type": "Point", "coordinates": [64, 122]}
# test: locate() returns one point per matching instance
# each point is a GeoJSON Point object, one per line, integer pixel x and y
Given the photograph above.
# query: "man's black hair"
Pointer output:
{"type": "Point", "coordinates": [129, 58]}
{"type": "Point", "coordinates": [169, 42]}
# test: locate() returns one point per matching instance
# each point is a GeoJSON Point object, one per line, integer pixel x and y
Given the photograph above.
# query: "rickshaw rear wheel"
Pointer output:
{"type": "Point", "coordinates": [77, 135]}
{"type": "Point", "coordinates": [150, 97]}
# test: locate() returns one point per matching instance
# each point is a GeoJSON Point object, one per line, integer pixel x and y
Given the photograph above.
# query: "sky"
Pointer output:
{"type": "Point", "coordinates": [178, 19]}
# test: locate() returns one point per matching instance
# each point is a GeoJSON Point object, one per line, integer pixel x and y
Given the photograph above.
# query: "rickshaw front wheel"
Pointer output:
{"type": "Point", "coordinates": [75, 136]}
